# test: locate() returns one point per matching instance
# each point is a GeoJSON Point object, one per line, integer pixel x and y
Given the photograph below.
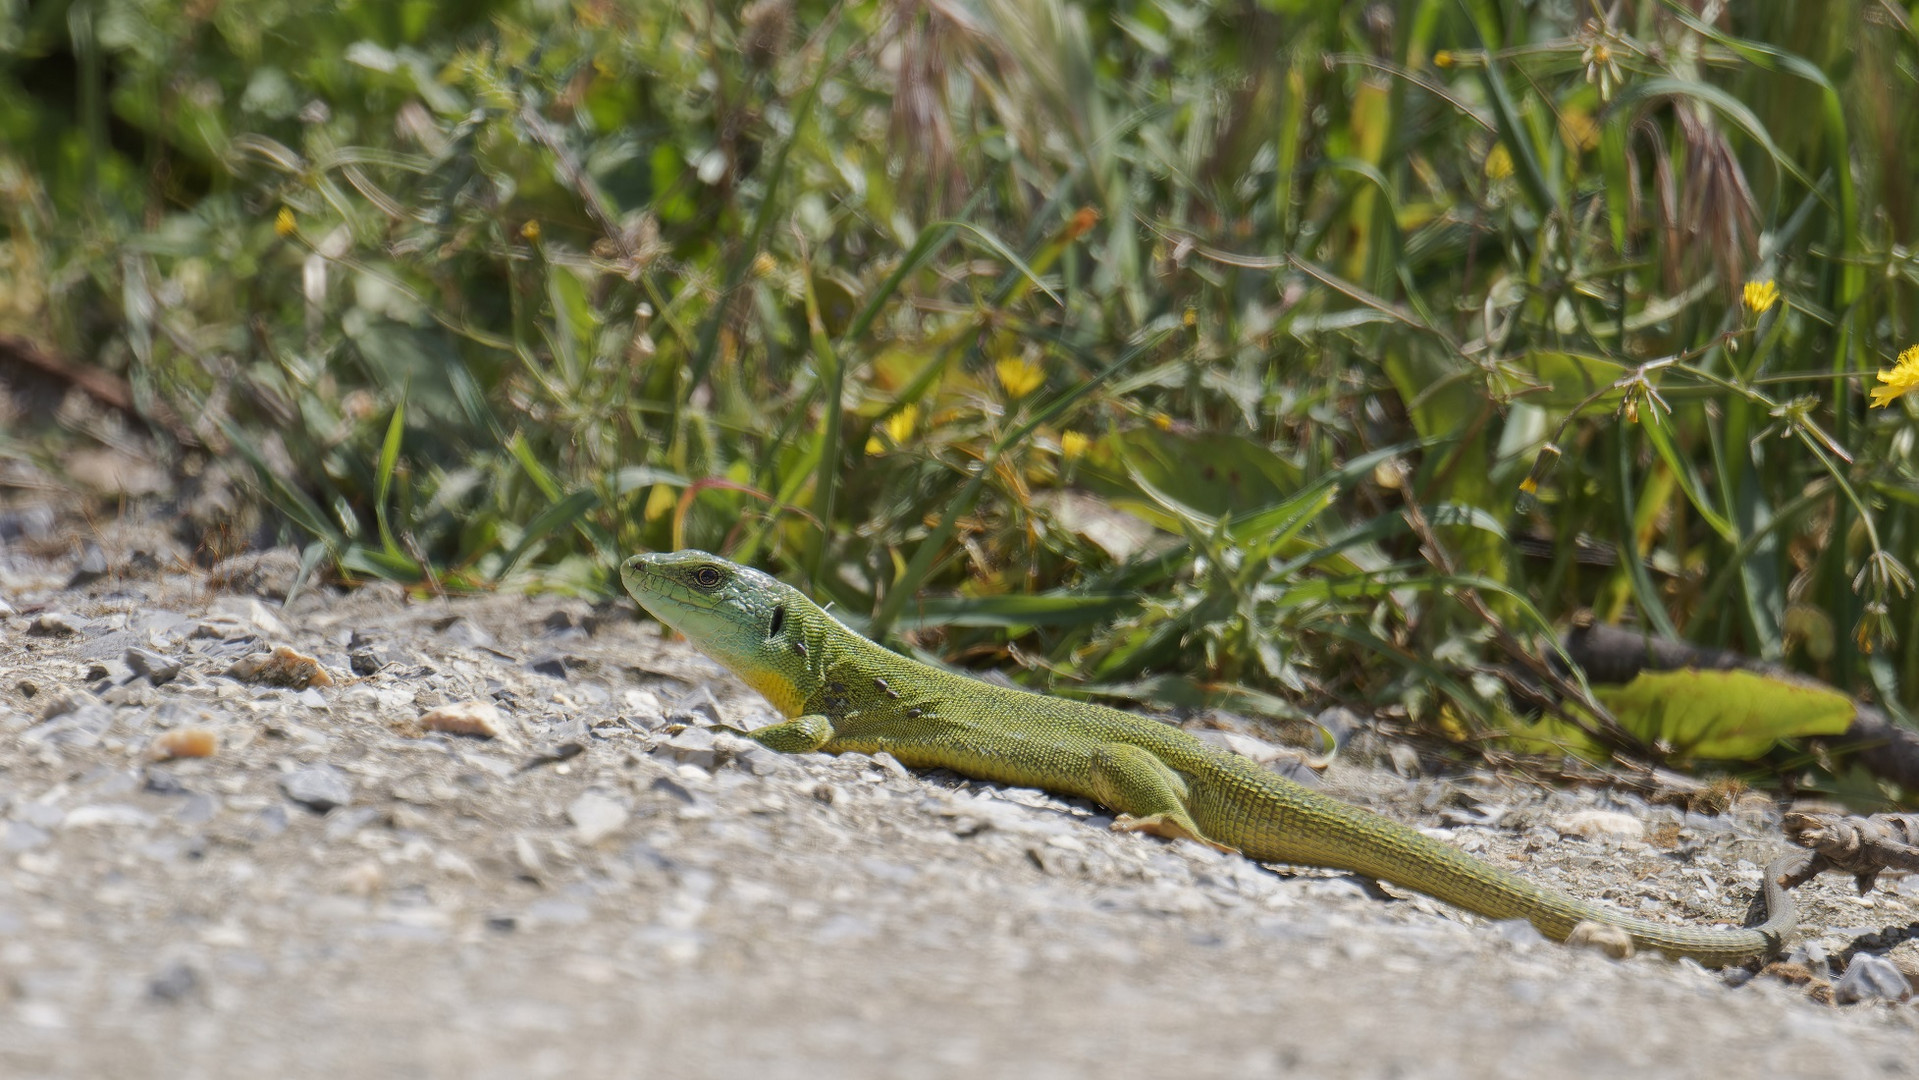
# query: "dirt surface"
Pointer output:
{"type": "Point", "coordinates": [608, 887]}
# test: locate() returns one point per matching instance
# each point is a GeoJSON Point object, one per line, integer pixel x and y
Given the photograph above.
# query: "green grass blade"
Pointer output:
{"type": "Point", "coordinates": [567, 511]}
{"type": "Point", "coordinates": [389, 462]}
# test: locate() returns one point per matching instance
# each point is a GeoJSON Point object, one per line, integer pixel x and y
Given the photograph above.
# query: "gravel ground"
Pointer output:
{"type": "Point", "coordinates": [360, 881]}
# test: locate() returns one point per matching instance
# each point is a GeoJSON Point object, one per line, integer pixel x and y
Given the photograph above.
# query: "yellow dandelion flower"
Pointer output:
{"type": "Point", "coordinates": [1578, 128]}
{"type": "Point", "coordinates": [1162, 421]}
{"type": "Point", "coordinates": [764, 264]}
{"type": "Point", "coordinates": [283, 223]}
{"type": "Point", "coordinates": [1018, 376]}
{"type": "Point", "coordinates": [1901, 380]}
{"type": "Point", "coordinates": [1072, 445]}
{"type": "Point", "coordinates": [1761, 296]}
{"type": "Point", "coordinates": [1499, 163]}
{"type": "Point", "coordinates": [1189, 318]}
{"type": "Point", "coordinates": [898, 427]}
{"type": "Point", "coordinates": [1443, 58]}
{"type": "Point", "coordinates": [531, 230]}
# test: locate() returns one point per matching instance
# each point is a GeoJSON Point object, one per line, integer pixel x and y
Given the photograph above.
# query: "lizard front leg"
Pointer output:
{"type": "Point", "coordinates": [801, 735]}
{"type": "Point", "coordinates": [1149, 795]}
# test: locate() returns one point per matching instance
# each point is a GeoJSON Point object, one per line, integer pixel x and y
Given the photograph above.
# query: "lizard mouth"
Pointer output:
{"type": "Point", "coordinates": [657, 581]}
{"type": "Point", "coordinates": [643, 578]}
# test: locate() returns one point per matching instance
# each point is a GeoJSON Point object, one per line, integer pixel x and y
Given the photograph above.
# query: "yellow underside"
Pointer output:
{"type": "Point", "coordinates": [777, 689]}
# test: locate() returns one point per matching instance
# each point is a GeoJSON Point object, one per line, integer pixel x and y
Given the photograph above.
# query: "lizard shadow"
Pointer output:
{"type": "Point", "coordinates": [1877, 942]}
{"type": "Point", "coordinates": [1091, 814]}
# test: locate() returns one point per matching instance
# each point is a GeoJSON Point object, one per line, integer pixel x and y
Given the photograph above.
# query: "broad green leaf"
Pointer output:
{"type": "Point", "coordinates": [1731, 715]}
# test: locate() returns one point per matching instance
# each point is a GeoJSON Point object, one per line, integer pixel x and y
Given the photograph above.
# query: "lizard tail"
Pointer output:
{"type": "Point", "coordinates": [1324, 832]}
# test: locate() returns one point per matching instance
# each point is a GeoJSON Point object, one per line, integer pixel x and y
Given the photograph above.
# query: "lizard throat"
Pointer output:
{"type": "Point", "coordinates": [777, 689]}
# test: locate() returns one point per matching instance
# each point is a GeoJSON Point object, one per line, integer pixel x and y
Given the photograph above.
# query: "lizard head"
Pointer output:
{"type": "Point", "coordinates": [750, 622]}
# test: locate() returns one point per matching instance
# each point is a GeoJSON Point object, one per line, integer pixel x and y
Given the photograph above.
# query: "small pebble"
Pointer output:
{"type": "Point", "coordinates": [672, 789]}
{"type": "Point", "coordinates": [28, 523]}
{"type": "Point", "coordinates": [52, 624]}
{"type": "Point", "coordinates": [318, 787]}
{"type": "Point", "coordinates": [62, 704]}
{"type": "Point", "coordinates": [1870, 978]}
{"type": "Point", "coordinates": [281, 667]}
{"type": "Point", "coordinates": [476, 718]}
{"type": "Point", "coordinates": [642, 707]}
{"type": "Point", "coordinates": [758, 760]}
{"type": "Point", "coordinates": [364, 878]}
{"type": "Point", "coordinates": [93, 567]}
{"type": "Point", "coordinates": [110, 815]}
{"type": "Point", "coordinates": [189, 742]}
{"type": "Point", "coordinates": [200, 808]}
{"type": "Point", "coordinates": [157, 669]}
{"type": "Point", "coordinates": [692, 746]}
{"type": "Point", "coordinates": [1600, 825]}
{"type": "Point", "coordinates": [175, 983]}
{"type": "Point", "coordinates": [596, 817]}
{"type": "Point", "coordinates": [77, 726]}
{"type": "Point", "coordinates": [231, 617]}
{"type": "Point", "coordinates": [464, 631]}
{"type": "Point", "coordinates": [1405, 760]}
{"type": "Point", "coordinates": [161, 781]}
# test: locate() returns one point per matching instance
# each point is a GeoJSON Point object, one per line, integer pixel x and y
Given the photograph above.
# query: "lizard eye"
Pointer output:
{"type": "Point", "coordinates": [779, 621]}
{"type": "Point", "coordinates": [706, 577]}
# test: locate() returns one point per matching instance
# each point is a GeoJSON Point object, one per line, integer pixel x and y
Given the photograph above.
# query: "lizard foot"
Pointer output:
{"type": "Point", "coordinates": [1165, 826]}
{"type": "Point", "coordinates": [1609, 939]}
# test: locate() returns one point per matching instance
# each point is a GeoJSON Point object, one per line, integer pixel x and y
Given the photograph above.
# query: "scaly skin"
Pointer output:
{"type": "Point", "coordinates": [844, 693]}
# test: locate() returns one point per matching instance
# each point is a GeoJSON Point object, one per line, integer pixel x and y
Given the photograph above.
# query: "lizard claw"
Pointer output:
{"type": "Point", "coordinates": [1165, 826]}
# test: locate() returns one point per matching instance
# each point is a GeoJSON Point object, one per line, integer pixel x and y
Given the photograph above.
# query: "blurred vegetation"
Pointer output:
{"type": "Point", "coordinates": [1257, 353]}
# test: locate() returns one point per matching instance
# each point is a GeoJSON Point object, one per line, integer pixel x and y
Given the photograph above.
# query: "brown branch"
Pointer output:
{"type": "Point", "coordinates": [1860, 846]}
{"type": "Point", "coordinates": [102, 386]}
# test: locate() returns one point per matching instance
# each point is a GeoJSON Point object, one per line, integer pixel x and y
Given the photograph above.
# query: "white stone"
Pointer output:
{"type": "Point", "coordinates": [596, 817]}
{"type": "Point", "coordinates": [1600, 825]}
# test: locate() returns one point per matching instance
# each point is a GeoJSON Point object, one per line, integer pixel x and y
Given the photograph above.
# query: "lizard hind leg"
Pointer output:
{"type": "Point", "coordinates": [1147, 794]}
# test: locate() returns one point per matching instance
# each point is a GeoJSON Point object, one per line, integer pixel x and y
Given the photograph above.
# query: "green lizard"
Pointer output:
{"type": "Point", "coordinates": [843, 693]}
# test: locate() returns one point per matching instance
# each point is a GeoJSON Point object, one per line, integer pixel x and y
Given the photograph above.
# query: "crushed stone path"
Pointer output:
{"type": "Point", "coordinates": [365, 835]}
